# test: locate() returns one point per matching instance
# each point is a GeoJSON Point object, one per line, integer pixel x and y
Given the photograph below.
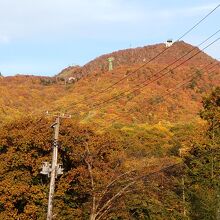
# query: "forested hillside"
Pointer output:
{"type": "Point", "coordinates": [135, 172]}
{"type": "Point", "coordinates": [142, 143]}
{"type": "Point", "coordinates": [158, 100]}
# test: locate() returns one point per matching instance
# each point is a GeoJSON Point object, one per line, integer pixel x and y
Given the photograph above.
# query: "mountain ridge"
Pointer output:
{"type": "Point", "coordinates": [139, 55]}
{"type": "Point", "coordinates": [36, 95]}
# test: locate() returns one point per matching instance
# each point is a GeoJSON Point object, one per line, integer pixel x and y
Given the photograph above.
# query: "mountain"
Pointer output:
{"type": "Point", "coordinates": [21, 95]}
{"type": "Point", "coordinates": [147, 104]}
{"type": "Point", "coordinates": [133, 157]}
{"type": "Point", "coordinates": [140, 55]}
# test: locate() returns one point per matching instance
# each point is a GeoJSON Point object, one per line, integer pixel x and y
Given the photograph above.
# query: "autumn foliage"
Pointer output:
{"type": "Point", "coordinates": [124, 160]}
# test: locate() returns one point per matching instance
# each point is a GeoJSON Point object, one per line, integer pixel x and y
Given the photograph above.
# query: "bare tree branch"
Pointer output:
{"type": "Point", "coordinates": [92, 215]}
{"type": "Point", "coordinates": [114, 197]}
{"type": "Point", "coordinates": [108, 204]}
{"type": "Point", "coordinates": [110, 184]}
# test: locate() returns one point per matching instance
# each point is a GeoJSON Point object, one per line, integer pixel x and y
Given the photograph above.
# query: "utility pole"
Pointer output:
{"type": "Point", "coordinates": [55, 169]}
{"type": "Point", "coordinates": [212, 171]}
{"type": "Point", "coordinates": [184, 197]}
{"type": "Point", "coordinates": [183, 189]}
{"type": "Point", "coordinates": [218, 206]}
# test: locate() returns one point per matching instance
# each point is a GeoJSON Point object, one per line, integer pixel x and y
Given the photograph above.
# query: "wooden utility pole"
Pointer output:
{"type": "Point", "coordinates": [183, 189]}
{"type": "Point", "coordinates": [218, 206]}
{"type": "Point", "coordinates": [212, 170]}
{"type": "Point", "coordinates": [54, 169]}
{"type": "Point", "coordinates": [184, 197]}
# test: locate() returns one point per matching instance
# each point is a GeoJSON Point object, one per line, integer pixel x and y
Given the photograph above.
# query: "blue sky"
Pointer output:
{"type": "Point", "coordinates": [44, 36]}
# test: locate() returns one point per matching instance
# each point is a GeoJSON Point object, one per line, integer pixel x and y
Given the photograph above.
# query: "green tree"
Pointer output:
{"type": "Point", "coordinates": [203, 164]}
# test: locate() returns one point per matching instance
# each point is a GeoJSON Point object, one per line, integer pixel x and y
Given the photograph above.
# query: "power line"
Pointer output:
{"type": "Point", "coordinates": [179, 64]}
{"type": "Point", "coordinates": [163, 51]}
{"type": "Point", "coordinates": [181, 37]}
{"type": "Point", "coordinates": [181, 84]}
{"type": "Point", "coordinates": [200, 21]}
{"type": "Point", "coordinates": [139, 85]}
{"type": "Point", "coordinates": [186, 81]}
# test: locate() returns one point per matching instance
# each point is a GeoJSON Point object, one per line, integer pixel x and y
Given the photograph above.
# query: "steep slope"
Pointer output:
{"type": "Point", "coordinates": [130, 170]}
{"type": "Point", "coordinates": [152, 103]}
{"type": "Point", "coordinates": [22, 94]}
{"type": "Point", "coordinates": [140, 55]}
